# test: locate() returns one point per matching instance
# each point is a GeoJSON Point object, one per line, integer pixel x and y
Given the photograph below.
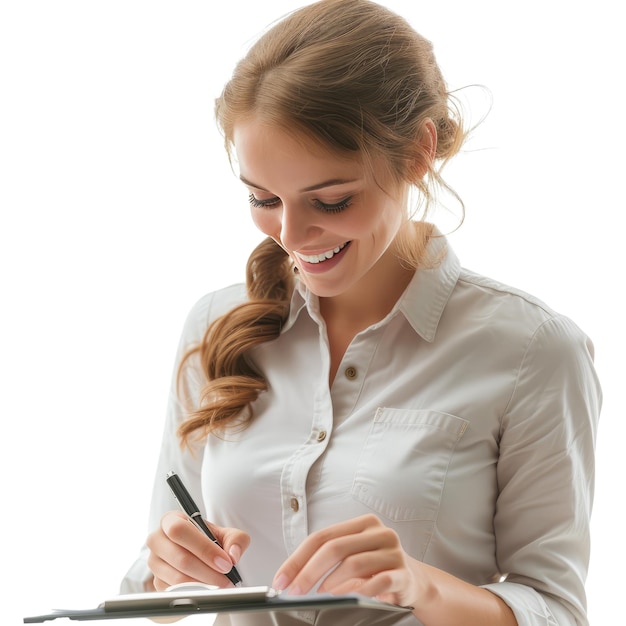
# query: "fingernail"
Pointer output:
{"type": "Point", "coordinates": [235, 553]}
{"type": "Point", "coordinates": [223, 565]}
{"type": "Point", "coordinates": [280, 582]}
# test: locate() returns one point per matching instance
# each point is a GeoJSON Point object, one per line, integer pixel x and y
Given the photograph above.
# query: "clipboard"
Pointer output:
{"type": "Point", "coordinates": [180, 603]}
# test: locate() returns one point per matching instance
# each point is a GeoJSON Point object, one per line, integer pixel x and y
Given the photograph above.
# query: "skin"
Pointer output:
{"type": "Point", "coordinates": [312, 202]}
{"type": "Point", "coordinates": [344, 205]}
{"type": "Point", "coordinates": [180, 552]}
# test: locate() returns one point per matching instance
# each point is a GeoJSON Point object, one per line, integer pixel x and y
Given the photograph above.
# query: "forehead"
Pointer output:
{"type": "Point", "coordinates": [271, 155]}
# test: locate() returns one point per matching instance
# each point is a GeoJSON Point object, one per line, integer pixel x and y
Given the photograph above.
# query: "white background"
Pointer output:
{"type": "Point", "coordinates": [118, 211]}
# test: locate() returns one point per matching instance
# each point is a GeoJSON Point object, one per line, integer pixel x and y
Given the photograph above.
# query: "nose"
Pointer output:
{"type": "Point", "coordinates": [298, 226]}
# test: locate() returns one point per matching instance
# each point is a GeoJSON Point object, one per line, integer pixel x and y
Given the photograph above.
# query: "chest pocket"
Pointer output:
{"type": "Point", "coordinates": [403, 465]}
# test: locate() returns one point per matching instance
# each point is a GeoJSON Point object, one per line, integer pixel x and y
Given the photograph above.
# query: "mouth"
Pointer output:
{"type": "Point", "coordinates": [324, 256]}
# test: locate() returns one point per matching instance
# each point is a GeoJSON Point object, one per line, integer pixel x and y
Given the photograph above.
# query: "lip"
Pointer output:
{"type": "Point", "coordinates": [321, 252]}
{"type": "Point", "coordinates": [323, 266]}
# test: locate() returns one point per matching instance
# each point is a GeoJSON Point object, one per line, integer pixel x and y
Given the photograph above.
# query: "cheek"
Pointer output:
{"type": "Point", "coordinates": [267, 221]}
{"type": "Point", "coordinates": [379, 220]}
{"type": "Point", "coordinates": [392, 216]}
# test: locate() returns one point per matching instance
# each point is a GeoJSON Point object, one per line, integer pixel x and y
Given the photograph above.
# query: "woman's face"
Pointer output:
{"type": "Point", "coordinates": [332, 218]}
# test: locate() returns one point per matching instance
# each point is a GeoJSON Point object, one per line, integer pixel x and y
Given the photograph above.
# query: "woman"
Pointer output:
{"type": "Point", "coordinates": [365, 415]}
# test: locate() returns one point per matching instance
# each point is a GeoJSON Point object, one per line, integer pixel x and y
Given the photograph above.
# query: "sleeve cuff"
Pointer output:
{"type": "Point", "coordinates": [534, 609]}
{"type": "Point", "coordinates": [137, 575]}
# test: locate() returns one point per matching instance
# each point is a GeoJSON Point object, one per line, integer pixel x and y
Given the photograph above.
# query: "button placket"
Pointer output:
{"type": "Point", "coordinates": [351, 377]}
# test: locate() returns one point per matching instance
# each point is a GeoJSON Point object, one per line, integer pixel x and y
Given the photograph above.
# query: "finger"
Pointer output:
{"type": "Point", "coordinates": [319, 538]}
{"type": "Point", "coordinates": [164, 574]}
{"type": "Point", "coordinates": [386, 586]}
{"type": "Point", "coordinates": [346, 558]}
{"type": "Point", "coordinates": [358, 567]}
{"type": "Point", "coordinates": [193, 556]}
{"type": "Point", "coordinates": [234, 541]}
{"type": "Point", "coordinates": [173, 563]}
{"type": "Point", "coordinates": [323, 550]}
{"type": "Point", "coordinates": [352, 585]}
{"type": "Point", "coordinates": [197, 549]}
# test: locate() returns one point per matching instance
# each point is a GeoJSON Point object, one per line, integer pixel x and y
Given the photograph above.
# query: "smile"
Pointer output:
{"type": "Point", "coordinates": [324, 256]}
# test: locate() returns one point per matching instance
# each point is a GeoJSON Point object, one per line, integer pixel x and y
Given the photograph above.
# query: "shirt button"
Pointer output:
{"type": "Point", "coordinates": [294, 505]}
{"type": "Point", "coordinates": [350, 373]}
{"type": "Point", "coordinates": [321, 435]}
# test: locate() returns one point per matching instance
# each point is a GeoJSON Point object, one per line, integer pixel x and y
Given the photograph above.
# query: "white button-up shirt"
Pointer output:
{"type": "Point", "coordinates": [465, 419]}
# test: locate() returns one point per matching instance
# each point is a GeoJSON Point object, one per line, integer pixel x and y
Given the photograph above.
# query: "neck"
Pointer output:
{"type": "Point", "coordinates": [374, 296]}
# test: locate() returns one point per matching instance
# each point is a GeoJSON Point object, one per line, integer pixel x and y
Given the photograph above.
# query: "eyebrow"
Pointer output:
{"type": "Point", "coordinates": [327, 183]}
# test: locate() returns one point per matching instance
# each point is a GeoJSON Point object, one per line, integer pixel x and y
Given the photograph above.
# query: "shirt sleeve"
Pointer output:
{"type": "Point", "coordinates": [186, 462]}
{"type": "Point", "coordinates": [546, 479]}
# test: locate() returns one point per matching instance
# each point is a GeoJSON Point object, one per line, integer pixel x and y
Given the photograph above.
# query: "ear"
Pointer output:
{"type": "Point", "coordinates": [426, 149]}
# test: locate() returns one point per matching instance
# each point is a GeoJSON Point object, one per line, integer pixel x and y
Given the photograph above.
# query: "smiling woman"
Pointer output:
{"type": "Point", "coordinates": [118, 209]}
{"type": "Point", "coordinates": [366, 414]}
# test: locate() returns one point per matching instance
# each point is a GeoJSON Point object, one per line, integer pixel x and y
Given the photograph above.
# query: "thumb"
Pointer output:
{"type": "Point", "coordinates": [234, 541]}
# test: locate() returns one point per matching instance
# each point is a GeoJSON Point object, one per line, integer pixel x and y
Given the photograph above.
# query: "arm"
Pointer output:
{"type": "Point", "coordinates": [546, 477]}
{"type": "Point", "coordinates": [185, 461]}
{"type": "Point", "coordinates": [370, 560]}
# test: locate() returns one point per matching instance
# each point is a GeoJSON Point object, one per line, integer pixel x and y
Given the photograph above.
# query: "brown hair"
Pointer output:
{"type": "Point", "coordinates": [358, 80]}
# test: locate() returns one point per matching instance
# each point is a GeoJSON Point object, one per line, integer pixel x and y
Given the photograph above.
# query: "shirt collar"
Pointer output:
{"type": "Point", "coordinates": [301, 299]}
{"type": "Point", "coordinates": [422, 302]}
{"type": "Point", "coordinates": [426, 296]}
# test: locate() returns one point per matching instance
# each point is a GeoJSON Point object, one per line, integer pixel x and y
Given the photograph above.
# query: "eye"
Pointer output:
{"type": "Point", "coordinates": [259, 204]}
{"type": "Point", "coordinates": [333, 208]}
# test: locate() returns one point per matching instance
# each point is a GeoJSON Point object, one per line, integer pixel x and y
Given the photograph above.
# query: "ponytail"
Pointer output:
{"type": "Point", "coordinates": [233, 380]}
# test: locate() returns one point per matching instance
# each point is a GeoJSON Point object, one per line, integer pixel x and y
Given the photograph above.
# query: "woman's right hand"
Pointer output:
{"type": "Point", "coordinates": [181, 552]}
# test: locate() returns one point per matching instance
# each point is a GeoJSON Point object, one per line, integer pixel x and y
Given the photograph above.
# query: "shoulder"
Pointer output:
{"type": "Point", "coordinates": [521, 321]}
{"type": "Point", "coordinates": [489, 292]}
{"type": "Point", "coordinates": [502, 315]}
{"type": "Point", "coordinates": [501, 306]}
{"type": "Point", "coordinates": [550, 357]}
{"type": "Point", "coordinates": [208, 308]}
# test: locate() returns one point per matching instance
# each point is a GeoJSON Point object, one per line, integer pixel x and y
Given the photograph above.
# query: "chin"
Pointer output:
{"type": "Point", "coordinates": [325, 291]}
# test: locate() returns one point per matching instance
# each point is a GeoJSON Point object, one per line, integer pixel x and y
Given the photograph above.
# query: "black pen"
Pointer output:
{"type": "Point", "coordinates": [191, 508]}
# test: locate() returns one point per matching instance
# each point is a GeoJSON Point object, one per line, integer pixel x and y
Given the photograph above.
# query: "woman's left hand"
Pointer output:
{"type": "Point", "coordinates": [359, 555]}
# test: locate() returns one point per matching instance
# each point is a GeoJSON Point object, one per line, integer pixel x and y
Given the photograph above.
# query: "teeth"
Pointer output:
{"type": "Point", "coordinates": [318, 258]}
